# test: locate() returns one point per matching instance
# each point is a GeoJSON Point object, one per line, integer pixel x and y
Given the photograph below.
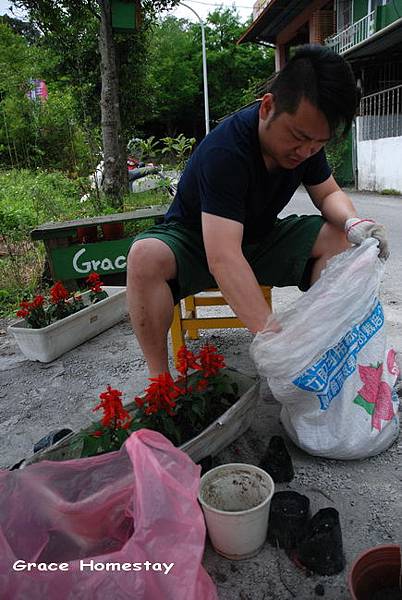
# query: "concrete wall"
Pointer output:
{"type": "Point", "coordinates": [379, 163]}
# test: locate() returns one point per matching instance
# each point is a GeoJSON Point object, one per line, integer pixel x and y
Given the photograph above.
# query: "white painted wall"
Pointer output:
{"type": "Point", "coordinates": [379, 163]}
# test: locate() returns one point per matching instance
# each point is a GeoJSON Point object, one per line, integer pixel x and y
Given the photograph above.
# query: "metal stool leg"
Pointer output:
{"type": "Point", "coordinates": [191, 313]}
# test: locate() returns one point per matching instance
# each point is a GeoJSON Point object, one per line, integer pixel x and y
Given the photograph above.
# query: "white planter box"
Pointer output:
{"type": "Point", "coordinates": [222, 432]}
{"type": "Point", "coordinates": [52, 341]}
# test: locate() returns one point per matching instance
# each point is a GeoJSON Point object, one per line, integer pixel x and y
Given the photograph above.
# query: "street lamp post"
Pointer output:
{"type": "Point", "coordinates": [204, 67]}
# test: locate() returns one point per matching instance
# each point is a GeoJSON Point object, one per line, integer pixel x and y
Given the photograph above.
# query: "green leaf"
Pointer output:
{"type": "Point", "coordinates": [93, 446]}
{"type": "Point", "coordinates": [197, 409]}
{"type": "Point", "coordinates": [368, 406]}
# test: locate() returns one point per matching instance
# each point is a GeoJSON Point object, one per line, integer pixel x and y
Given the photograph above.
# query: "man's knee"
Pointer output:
{"type": "Point", "coordinates": [151, 259]}
{"type": "Point", "coordinates": [330, 241]}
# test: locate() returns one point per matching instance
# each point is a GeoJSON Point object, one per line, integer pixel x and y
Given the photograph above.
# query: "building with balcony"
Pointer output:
{"type": "Point", "coordinates": [368, 33]}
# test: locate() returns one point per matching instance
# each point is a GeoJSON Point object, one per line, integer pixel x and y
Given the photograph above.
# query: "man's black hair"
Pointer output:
{"type": "Point", "coordinates": [323, 78]}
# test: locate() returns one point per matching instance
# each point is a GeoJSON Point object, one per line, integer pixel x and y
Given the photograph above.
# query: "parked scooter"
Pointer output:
{"type": "Point", "coordinates": [141, 177]}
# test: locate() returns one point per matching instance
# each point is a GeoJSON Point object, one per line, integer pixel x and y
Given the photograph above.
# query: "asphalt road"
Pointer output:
{"type": "Point", "coordinates": [383, 209]}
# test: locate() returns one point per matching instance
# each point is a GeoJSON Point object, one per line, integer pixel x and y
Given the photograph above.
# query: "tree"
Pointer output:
{"type": "Point", "coordinates": [173, 81]}
{"type": "Point", "coordinates": [35, 133]}
{"type": "Point", "coordinates": [175, 72]}
{"type": "Point", "coordinates": [230, 63]}
{"type": "Point", "coordinates": [63, 18]}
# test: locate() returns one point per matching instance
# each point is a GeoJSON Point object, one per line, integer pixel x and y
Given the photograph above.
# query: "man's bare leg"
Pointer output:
{"type": "Point", "coordinates": [151, 263]}
{"type": "Point", "coordinates": [330, 241]}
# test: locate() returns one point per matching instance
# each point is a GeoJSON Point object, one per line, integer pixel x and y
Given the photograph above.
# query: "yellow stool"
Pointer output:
{"type": "Point", "coordinates": [189, 321]}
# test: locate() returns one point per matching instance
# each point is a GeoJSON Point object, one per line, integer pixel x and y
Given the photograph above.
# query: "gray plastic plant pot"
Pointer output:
{"type": "Point", "coordinates": [48, 343]}
{"type": "Point", "coordinates": [219, 434]}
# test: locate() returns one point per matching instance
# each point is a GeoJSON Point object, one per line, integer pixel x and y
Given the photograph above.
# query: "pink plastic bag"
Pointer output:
{"type": "Point", "coordinates": [137, 506]}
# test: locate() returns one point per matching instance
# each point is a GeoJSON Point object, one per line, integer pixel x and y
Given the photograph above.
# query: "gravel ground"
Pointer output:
{"type": "Point", "coordinates": [36, 398]}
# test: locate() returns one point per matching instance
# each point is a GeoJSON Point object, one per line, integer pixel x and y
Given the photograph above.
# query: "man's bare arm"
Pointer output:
{"type": "Point", "coordinates": [335, 206]}
{"type": "Point", "coordinates": [232, 272]}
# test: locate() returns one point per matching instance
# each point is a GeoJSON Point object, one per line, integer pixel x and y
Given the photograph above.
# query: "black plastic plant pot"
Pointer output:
{"type": "Point", "coordinates": [51, 438]}
{"type": "Point", "coordinates": [288, 518]}
{"type": "Point", "coordinates": [277, 462]}
{"type": "Point", "coordinates": [321, 549]}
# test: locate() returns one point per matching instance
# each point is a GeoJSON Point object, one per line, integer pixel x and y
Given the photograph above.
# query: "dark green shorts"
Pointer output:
{"type": "Point", "coordinates": [280, 259]}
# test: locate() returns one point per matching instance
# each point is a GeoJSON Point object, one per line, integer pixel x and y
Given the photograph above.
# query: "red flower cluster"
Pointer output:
{"type": "Point", "coordinates": [58, 293]}
{"type": "Point", "coordinates": [161, 394]}
{"type": "Point", "coordinates": [186, 360]}
{"type": "Point", "coordinates": [28, 307]}
{"type": "Point", "coordinates": [211, 362]}
{"type": "Point", "coordinates": [114, 415]}
{"type": "Point", "coordinates": [93, 280]}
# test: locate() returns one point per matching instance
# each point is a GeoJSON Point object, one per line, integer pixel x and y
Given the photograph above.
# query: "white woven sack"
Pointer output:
{"type": "Point", "coordinates": [330, 366]}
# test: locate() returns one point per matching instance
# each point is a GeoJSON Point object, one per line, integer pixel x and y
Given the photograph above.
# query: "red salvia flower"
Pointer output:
{"type": "Point", "coordinates": [202, 384]}
{"type": "Point", "coordinates": [211, 362]}
{"type": "Point", "coordinates": [93, 280]}
{"type": "Point", "coordinates": [97, 434]}
{"type": "Point", "coordinates": [186, 360]}
{"type": "Point", "coordinates": [161, 394]}
{"type": "Point", "coordinates": [32, 310]}
{"type": "Point", "coordinates": [25, 309]}
{"type": "Point", "coordinates": [114, 415]}
{"type": "Point", "coordinates": [38, 301]}
{"type": "Point", "coordinates": [58, 293]}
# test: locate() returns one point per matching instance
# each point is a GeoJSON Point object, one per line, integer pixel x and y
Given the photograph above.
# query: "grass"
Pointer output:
{"type": "Point", "coordinates": [390, 192]}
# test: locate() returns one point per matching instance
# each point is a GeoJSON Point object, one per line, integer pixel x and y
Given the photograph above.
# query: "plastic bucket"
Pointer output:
{"type": "Point", "coordinates": [376, 569]}
{"type": "Point", "coordinates": [235, 499]}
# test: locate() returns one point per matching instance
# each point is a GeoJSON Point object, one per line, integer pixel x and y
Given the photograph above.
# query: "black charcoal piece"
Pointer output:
{"type": "Point", "coordinates": [277, 462]}
{"type": "Point", "coordinates": [288, 517]}
{"type": "Point", "coordinates": [321, 548]}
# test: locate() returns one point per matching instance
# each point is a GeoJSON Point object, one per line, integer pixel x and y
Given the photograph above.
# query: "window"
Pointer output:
{"type": "Point", "coordinates": [344, 14]}
{"type": "Point", "coordinates": [372, 4]}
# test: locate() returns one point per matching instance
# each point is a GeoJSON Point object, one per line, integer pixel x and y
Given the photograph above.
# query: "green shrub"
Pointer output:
{"type": "Point", "coordinates": [31, 198]}
{"type": "Point", "coordinates": [335, 151]}
{"type": "Point", "coordinates": [390, 192]}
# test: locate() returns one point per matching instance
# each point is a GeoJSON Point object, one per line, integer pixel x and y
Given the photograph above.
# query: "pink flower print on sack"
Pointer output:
{"type": "Point", "coordinates": [392, 365]}
{"type": "Point", "coordinates": [375, 396]}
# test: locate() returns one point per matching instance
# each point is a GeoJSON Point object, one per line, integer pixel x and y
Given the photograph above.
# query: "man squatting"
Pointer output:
{"type": "Point", "coordinates": [222, 226]}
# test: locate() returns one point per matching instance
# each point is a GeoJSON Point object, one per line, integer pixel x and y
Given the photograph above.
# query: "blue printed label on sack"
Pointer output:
{"type": "Point", "coordinates": [327, 376]}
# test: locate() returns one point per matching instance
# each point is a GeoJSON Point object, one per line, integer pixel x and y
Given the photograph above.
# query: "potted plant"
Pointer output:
{"type": "Point", "coordinates": [113, 231]}
{"type": "Point", "coordinates": [201, 412]}
{"type": "Point", "coordinates": [87, 234]}
{"type": "Point", "coordinates": [53, 325]}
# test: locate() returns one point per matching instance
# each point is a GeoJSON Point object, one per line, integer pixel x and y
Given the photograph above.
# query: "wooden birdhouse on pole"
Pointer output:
{"type": "Point", "coordinates": [126, 14]}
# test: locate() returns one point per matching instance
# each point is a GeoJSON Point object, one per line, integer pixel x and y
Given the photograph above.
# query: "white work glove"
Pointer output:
{"type": "Point", "coordinates": [358, 230]}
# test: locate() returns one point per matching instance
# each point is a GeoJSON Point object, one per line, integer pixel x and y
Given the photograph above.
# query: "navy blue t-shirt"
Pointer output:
{"type": "Point", "coordinates": [227, 176]}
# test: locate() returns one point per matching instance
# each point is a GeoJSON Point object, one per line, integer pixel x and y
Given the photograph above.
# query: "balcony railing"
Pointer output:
{"type": "Point", "coordinates": [381, 114]}
{"type": "Point", "coordinates": [353, 35]}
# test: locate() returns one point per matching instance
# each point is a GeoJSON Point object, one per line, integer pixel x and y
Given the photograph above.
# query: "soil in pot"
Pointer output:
{"type": "Point", "coordinates": [277, 462]}
{"type": "Point", "coordinates": [288, 518]}
{"type": "Point", "coordinates": [394, 593]}
{"type": "Point", "coordinates": [321, 549]}
{"type": "Point", "coordinates": [87, 234]}
{"type": "Point", "coordinates": [216, 407]}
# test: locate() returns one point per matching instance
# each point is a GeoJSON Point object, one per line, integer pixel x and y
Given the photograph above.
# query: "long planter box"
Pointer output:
{"type": "Point", "coordinates": [52, 341]}
{"type": "Point", "coordinates": [222, 432]}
